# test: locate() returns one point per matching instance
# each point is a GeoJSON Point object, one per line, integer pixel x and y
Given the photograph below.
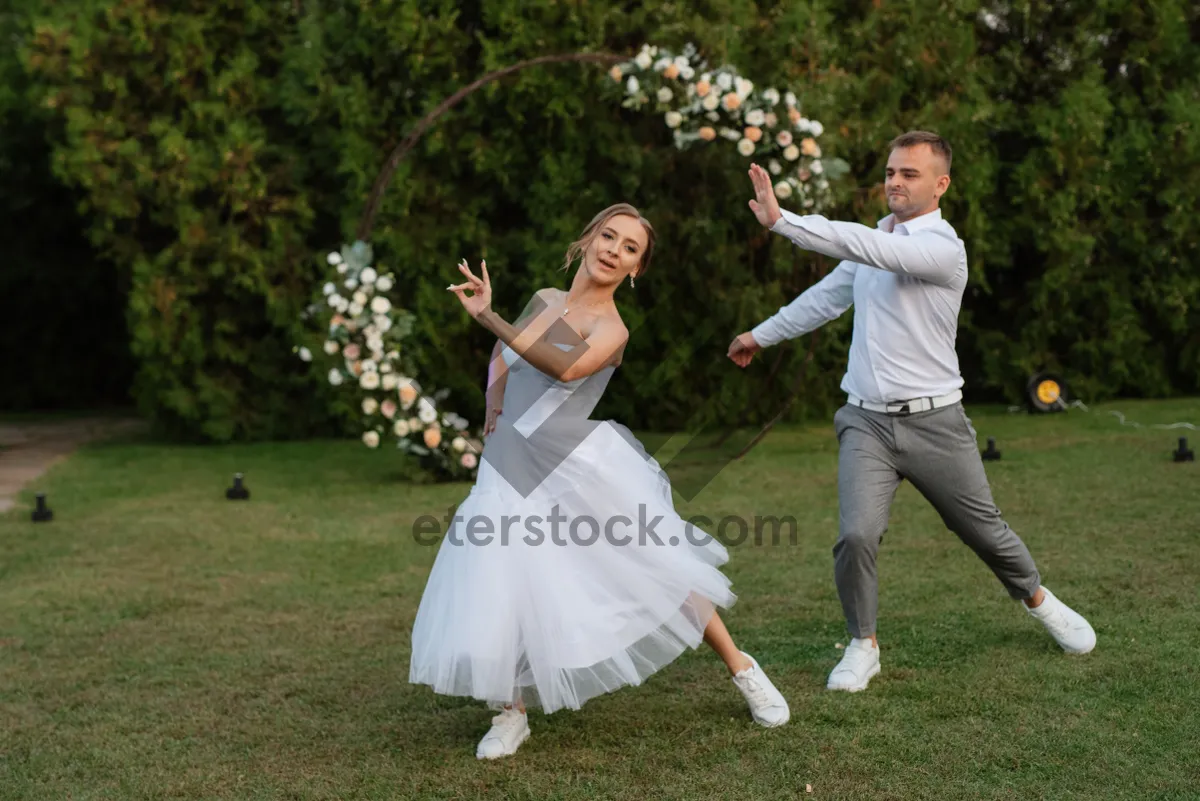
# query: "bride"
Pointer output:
{"type": "Point", "coordinates": [519, 611]}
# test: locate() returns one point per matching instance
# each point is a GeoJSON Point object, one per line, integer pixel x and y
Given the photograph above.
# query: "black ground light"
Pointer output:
{"type": "Point", "coordinates": [238, 491]}
{"type": "Point", "coordinates": [991, 454]}
{"type": "Point", "coordinates": [42, 513]}
{"type": "Point", "coordinates": [1046, 392]}
{"type": "Point", "coordinates": [1184, 453]}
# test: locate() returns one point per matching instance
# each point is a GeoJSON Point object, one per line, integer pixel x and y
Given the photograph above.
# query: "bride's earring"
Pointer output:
{"type": "Point", "coordinates": [631, 279]}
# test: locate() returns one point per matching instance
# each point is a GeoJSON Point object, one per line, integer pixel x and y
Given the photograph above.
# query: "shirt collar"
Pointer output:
{"type": "Point", "coordinates": [890, 225]}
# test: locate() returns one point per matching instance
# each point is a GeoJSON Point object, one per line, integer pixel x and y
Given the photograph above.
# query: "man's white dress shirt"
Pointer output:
{"type": "Point", "coordinates": [906, 283]}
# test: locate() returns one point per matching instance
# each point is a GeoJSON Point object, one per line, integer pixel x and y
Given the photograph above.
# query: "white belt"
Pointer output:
{"type": "Point", "coordinates": [909, 406]}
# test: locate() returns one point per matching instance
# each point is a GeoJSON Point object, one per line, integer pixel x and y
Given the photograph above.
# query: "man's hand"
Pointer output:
{"type": "Point", "coordinates": [743, 348]}
{"type": "Point", "coordinates": [765, 205]}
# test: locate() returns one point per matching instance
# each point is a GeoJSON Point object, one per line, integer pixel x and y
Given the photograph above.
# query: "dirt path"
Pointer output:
{"type": "Point", "coordinates": [27, 450]}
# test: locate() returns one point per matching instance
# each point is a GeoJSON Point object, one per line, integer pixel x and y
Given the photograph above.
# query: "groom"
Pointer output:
{"type": "Point", "coordinates": [903, 418]}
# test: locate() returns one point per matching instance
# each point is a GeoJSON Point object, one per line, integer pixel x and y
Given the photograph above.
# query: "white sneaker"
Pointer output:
{"type": "Point", "coordinates": [854, 672]}
{"type": "Point", "coordinates": [767, 704]}
{"type": "Point", "coordinates": [509, 729]}
{"type": "Point", "coordinates": [1068, 628]}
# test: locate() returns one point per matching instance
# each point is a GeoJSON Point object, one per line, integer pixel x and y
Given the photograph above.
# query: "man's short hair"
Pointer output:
{"type": "Point", "coordinates": [913, 138]}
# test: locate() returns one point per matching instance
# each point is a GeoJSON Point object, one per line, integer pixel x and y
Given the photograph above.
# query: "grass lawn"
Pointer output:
{"type": "Point", "coordinates": [158, 641]}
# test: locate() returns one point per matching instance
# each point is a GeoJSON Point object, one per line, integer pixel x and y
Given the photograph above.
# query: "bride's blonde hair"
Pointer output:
{"type": "Point", "coordinates": [575, 251]}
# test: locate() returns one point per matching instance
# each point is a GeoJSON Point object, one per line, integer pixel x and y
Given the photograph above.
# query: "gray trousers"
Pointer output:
{"type": "Point", "coordinates": [937, 451]}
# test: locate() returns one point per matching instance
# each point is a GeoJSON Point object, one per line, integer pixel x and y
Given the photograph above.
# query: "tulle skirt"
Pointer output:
{"type": "Point", "coordinates": [566, 573]}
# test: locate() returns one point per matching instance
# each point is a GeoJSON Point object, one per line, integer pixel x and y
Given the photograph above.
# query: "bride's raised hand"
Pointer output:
{"type": "Point", "coordinates": [479, 302]}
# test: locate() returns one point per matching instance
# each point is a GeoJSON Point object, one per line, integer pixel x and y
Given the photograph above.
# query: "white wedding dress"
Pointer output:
{"type": "Point", "coordinates": [556, 619]}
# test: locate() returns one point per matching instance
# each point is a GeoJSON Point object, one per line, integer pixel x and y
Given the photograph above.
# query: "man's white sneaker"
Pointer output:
{"type": "Point", "coordinates": [854, 672]}
{"type": "Point", "coordinates": [509, 729]}
{"type": "Point", "coordinates": [767, 704]}
{"type": "Point", "coordinates": [1068, 628]}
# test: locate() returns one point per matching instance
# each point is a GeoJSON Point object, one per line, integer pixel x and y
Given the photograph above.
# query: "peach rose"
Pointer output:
{"type": "Point", "coordinates": [707, 133]}
{"type": "Point", "coordinates": [352, 351]}
{"type": "Point", "coordinates": [808, 146]}
{"type": "Point", "coordinates": [804, 175]}
{"type": "Point", "coordinates": [702, 88]}
{"type": "Point", "coordinates": [388, 408]}
{"type": "Point", "coordinates": [731, 101]}
{"type": "Point", "coordinates": [615, 74]}
{"type": "Point", "coordinates": [753, 134]}
{"type": "Point", "coordinates": [337, 319]}
{"type": "Point", "coordinates": [433, 437]}
{"type": "Point", "coordinates": [408, 395]}
{"type": "Point", "coordinates": [794, 115]}
{"type": "Point", "coordinates": [672, 71]}
{"type": "Point", "coordinates": [469, 461]}
{"type": "Point", "coordinates": [771, 120]}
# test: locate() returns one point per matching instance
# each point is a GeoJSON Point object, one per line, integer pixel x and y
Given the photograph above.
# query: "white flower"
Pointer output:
{"type": "Point", "coordinates": [725, 81]}
{"type": "Point", "coordinates": [381, 305]}
{"type": "Point", "coordinates": [674, 119]}
{"type": "Point", "coordinates": [710, 102]}
{"type": "Point", "coordinates": [746, 147]}
{"type": "Point", "coordinates": [632, 86]}
{"type": "Point", "coordinates": [783, 138]}
{"type": "Point", "coordinates": [460, 423]}
{"type": "Point", "coordinates": [383, 283]}
{"type": "Point", "coordinates": [459, 444]}
{"type": "Point", "coordinates": [334, 258]}
{"type": "Point", "coordinates": [790, 99]}
{"type": "Point", "coordinates": [817, 167]}
{"type": "Point", "coordinates": [804, 126]}
{"type": "Point", "coordinates": [368, 276]}
{"type": "Point", "coordinates": [369, 380]}
{"type": "Point", "coordinates": [665, 95]}
{"type": "Point", "coordinates": [334, 300]}
{"type": "Point", "coordinates": [383, 323]}
{"type": "Point", "coordinates": [791, 153]}
{"type": "Point", "coordinates": [643, 60]}
{"type": "Point", "coordinates": [355, 309]}
{"type": "Point", "coordinates": [808, 203]}
{"type": "Point", "coordinates": [662, 64]}
{"type": "Point", "coordinates": [770, 96]}
{"type": "Point", "coordinates": [744, 88]}
{"type": "Point", "coordinates": [730, 134]}
{"type": "Point", "coordinates": [370, 406]}
{"type": "Point", "coordinates": [426, 411]}
{"type": "Point", "coordinates": [823, 184]}
{"type": "Point", "coordinates": [400, 428]}
{"type": "Point", "coordinates": [329, 288]}
{"type": "Point", "coordinates": [687, 73]}
{"type": "Point", "coordinates": [305, 355]}
{"type": "Point", "coordinates": [774, 167]}
{"type": "Point", "coordinates": [415, 424]}
{"type": "Point", "coordinates": [331, 347]}
{"type": "Point", "coordinates": [371, 439]}
{"type": "Point", "coordinates": [375, 345]}
{"type": "Point", "coordinates": [351, 283]}
{"type": "Point", "coordinates": [369, 366]}
{"type": "Point", "coordinates": [371, 331]}
{"type": "Point", "coordinates": [335, 377]}
{"type": "Point", "coordinates": [360, 298]}
{"type": "Point", "coordinates": [385, 367]}
{"type": "Point", "coordinates": [389, 379]}
{"type": "Point", "coordinates": [681, 62]}
{"type": "Point", "coordinates": [783, 190]}
{"type": "Point", "coordinates": [714, 116]}
{"type": "Point", "coordinates": [756, 117]}
{"type": "Point", "coordinates": [816, 128]}
{"type": "Point", "coordinates": [341, 268]}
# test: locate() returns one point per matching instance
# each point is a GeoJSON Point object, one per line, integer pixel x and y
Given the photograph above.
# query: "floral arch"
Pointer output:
{"type": "Point", "coordinates": [362, 329]}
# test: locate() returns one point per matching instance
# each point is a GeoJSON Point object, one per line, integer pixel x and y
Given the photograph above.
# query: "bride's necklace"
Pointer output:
{"type": "Point", "coordinates": [567, 307]}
